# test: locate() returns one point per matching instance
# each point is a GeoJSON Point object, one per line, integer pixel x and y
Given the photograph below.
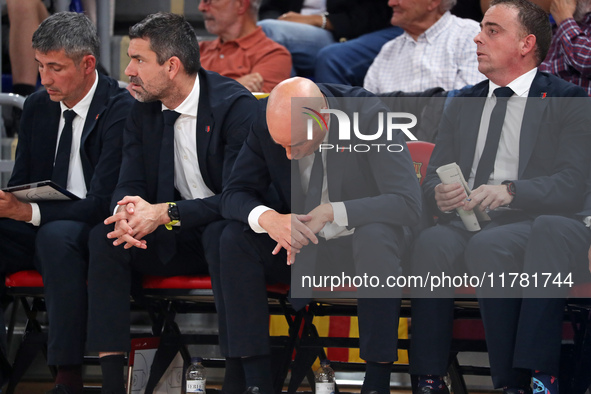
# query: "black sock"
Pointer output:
{"type": "Point", "coordinates": [234, 382]}
{"type": "Point", "coordinates": [377, 377]}
{"type": "Point", "coordinates": [71, 377]}
{"type": "Point", "coordinates": [23, 89]}
{"type": "Point", "coordinates": [112, 368]}
{"type": "Point", "coordinates": [436, 382]}
{"type": "Point", "coordinates": [257, 373]}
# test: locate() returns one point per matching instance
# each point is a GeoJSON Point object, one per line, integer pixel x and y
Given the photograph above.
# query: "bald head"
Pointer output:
{"type": "Point", "coordinates": [288, 122]}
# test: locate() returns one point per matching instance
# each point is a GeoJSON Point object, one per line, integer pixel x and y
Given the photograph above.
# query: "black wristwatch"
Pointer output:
{"type": "Point", "coordinates": [510, 187]}
{"type": "Point", "coordinates": [173, 212]}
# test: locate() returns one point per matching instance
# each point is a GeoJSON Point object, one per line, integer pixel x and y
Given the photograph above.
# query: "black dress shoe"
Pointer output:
{"type": "Point", "coordinates": [59, 389]}
{"type": "Point", "coordinates": [431, 390]}
{"type": "Point", "coordinates": [253, 390]}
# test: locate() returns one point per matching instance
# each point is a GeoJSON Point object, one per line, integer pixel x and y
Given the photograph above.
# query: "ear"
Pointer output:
{"type": "Point", "coordinates": [528, 45]}
{"type": "Point", "coordinates": [433, 5]}
{"type": "Point", "coordinates": [88, 64]}
{"type": "Point", "coordinates": [173, 66]}
{"type": "Point", "coordinates": [243, 6]}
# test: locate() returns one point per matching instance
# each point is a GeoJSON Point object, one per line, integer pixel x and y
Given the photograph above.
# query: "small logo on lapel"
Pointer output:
{"type": "Point", "coordinates": [97, 115]}
{"type": "Point", "coordinates": [207, 129]}
{"type": "Point", "coordinates": [544, 95]}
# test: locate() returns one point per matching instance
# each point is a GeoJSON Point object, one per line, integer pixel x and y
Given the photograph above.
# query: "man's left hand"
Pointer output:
{"type": "Point", "coordinates": [321, 215]}
{"type": "Point", "coordinates": [146, 217]}
{"type": "Point", "coordinates": [12, 208]}
{"type": "Point", "coordinates": [488, 197]}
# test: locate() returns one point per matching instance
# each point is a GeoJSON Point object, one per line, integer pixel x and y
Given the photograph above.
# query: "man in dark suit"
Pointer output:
{"type": "Point", "coordinates": [558, 250]}
{"type": "Point", "coordinates": [180, 142]}
{"type": "Point", "coordinates": [359, 204]}
{"type": "Point", "coordinates": [531, 160]}
{"type": "Point", "coordinates": [52, 236]}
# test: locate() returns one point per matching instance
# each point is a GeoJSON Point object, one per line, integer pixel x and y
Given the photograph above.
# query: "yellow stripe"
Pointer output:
{"type": "Point", "coordinates": [278, 326]}
{"type": "Point", "coordinates": [402, 334]}
{"type": "Point", "coordinates": [177, 7]}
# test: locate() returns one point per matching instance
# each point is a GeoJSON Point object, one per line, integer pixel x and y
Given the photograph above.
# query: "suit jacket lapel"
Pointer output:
{"type": "Point", "coordinates": [205, 127]}
{"type": "Point", "coordinates": [335, 161]}
{"type": "Point", "coordinates": [97, 107]}
{"type": "Point", "coordinates": [471, 116]}
{"type": "Point", "coordinates": [532, 118]}
{"type": "Point", "coordinates": [51, 123]}
{"type": "Point", "coordinates": [335, 165]}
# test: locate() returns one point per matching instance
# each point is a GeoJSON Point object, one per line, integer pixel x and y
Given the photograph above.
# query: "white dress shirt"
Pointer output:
{"type": "Point", "coordinates": [76, 183]}
{"type": "Point", "coordinates": [313, 7]}
{"type": "Point", "coordinates": [444, 55]}
{"type": "Point", "coordinates": [507, 158]}
{"type": "Point", "coordinates": [187, 174]}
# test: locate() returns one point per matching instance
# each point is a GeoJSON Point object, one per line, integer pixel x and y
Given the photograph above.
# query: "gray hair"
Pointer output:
{"type": "Point", "coordinates": [70, 31]}
{"type": "Point", "coordinates": [170, 35]}
{"type": "Point", "coordinates": [446, 5]}
{"type": "Point", "coordinates": [254, 8]}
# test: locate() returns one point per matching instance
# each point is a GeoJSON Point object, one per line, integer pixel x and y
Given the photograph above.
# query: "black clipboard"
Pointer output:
{"type": "Point", "coordinates": [41, 191]}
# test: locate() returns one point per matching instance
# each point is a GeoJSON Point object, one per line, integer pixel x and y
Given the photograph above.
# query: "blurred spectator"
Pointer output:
{"type": "Point", "coordinates": [242, 51]}
{"type": "Point", "coordinates": [24, 17]}
{"type": "Point", "coordinates": [570, 52]}
{"type": "Point", "coordinates": [305, 27]}
{"type": "Point", "coordinates": [347, 63]}
{"type": "Point", "coordinates": [436, 49]}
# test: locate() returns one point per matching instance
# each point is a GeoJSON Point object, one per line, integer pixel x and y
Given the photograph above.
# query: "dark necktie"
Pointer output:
{"type": "Point", "coordinates": [486, 164]}
{"type": "Point", "coordinates": [166, 163]}
{"type": "Point", "coordinates": [166, 239]}
{"type": "Point", "coordinates": [62, 158]}
{"type": "Point", "coordinates": [315, 185]}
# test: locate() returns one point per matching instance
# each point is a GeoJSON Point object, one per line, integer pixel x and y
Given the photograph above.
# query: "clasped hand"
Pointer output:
{"type": "Point", "coordinates": [292, 231]}
{"type": "Point", "coordinates": [452, 196]}
{"type": "Point", "coordinates": [136, 218]}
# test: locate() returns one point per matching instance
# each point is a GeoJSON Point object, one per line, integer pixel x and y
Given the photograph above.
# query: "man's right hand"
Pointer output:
{"type": "Point", "coordinates": [562, 9]}
{"type": "Point", "coordinates": [449, 197]}
{"type": "Point", "coordinates": [289, 230]}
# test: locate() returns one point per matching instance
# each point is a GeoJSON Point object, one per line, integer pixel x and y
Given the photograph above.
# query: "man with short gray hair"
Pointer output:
{"type": "Point", "coordinates": [242, 51]}
{"type": "Point", "coordinates": [435, 50]}
{"type": "Point", "coordinates": [71, 134]}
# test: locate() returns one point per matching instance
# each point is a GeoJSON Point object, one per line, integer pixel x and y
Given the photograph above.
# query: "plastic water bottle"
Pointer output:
{"type": "Point", "coordinates": [195, 376]}
{"type": "Point", "coordinates": [324, 378]}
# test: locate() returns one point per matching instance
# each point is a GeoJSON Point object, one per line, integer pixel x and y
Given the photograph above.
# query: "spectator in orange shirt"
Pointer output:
{"type": "Point", "coordinates": [242, 51]}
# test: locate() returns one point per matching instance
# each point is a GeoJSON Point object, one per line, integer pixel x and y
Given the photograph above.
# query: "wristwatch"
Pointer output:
{"type": "Point", "coordinates": [173, 214]}
{"type": "Point", "coordinates": [510, 187]}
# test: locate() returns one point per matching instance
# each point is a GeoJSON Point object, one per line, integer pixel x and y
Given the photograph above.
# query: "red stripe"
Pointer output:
{"type": "Point", "coordinates": [339, 327]}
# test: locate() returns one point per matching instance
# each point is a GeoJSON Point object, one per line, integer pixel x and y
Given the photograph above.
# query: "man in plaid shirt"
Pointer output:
{"type": "Point", "coordinates": [570, 52]}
